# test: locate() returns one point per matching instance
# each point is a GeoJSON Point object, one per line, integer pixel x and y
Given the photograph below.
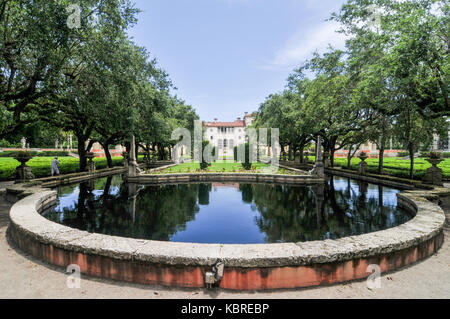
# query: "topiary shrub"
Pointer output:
{"type": "Point", "coordinates": [247, 165]}
{"type": "Point", "coordinates": [204, 164]}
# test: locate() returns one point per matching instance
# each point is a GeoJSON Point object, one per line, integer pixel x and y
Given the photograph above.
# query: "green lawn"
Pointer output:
{"type": "Point", "coordinates": [41, 166]}
{"type": "Point", "coordinates": [214, 168]}
{"type": "Point", "coordinates": [395, 166]}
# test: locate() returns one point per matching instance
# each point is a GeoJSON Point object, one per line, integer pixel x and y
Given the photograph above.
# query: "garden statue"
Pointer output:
{"type": "Point", "coordinates": [91, 164]}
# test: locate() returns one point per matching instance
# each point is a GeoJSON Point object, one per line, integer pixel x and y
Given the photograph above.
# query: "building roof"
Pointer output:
{"type": "Point", "coordinates": [225, 124]}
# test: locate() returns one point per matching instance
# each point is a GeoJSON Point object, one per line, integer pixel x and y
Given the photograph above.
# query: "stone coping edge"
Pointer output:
{"type": "Point", "coordinates": [219, 177]}
{"type": "Point", "coordinates": [428, 223]}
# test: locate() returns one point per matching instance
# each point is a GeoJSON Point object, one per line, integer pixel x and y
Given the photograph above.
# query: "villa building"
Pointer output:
{"type": "Point", "coordinates": [442, 143]}
{"type": "Point", "coordinates": [226, 135]}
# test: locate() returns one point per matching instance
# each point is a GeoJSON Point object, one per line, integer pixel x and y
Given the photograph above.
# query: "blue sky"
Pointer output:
{"type": "Point", "coordinates": [226, 56]}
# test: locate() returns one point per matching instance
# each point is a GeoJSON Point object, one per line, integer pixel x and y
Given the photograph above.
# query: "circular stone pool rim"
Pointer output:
{"type": "Point", "coordinates": [247, 267]}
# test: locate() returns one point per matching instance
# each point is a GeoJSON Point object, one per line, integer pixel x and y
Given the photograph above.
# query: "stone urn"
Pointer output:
{"type": "Point", "coordinates": [23, 172]}
{"type": "Point", "coordinates": [363, 166]}
{"type": "Point", "coordinates": [91, 164]}
{"type": "Point", "coordinates": [433, 175]}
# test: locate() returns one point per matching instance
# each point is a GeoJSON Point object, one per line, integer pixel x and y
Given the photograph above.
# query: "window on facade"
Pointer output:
{"type": "Point", "coordinates": [231, 143]}
{"type": "Point", "coordinates": [212, 137]}
{"type": "Point", "coordinates": [225, 144]}
{"type": "Point", "coordinates": [220, 144]}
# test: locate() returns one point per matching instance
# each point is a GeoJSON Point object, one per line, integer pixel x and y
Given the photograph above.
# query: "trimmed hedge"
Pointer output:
{"type": "Point", "coordinates": [35, 154]}
{"type": "Point", "coordinates": [41, 166]}
{"type": "Point", "coordinates": [394, 166]}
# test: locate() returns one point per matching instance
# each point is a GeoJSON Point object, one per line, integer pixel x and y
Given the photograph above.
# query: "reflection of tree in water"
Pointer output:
{"type": "Point", "coordinates": [290, 214]}
{"type": "Point", "coordinates": [160, 212]}
{"type": "Point", "coordinates": [247, 193]}
{"type": "Point", "coordinates": [203, 193]}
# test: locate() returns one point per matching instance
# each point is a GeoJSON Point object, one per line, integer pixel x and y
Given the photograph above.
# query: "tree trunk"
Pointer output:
{"type": "Point", "coordinates": [332, 151]}
{"type": "Point", "coordinates": [107, 153]}
{"type": "Point", "coordinates": [381, 160]}
{"type": "Point", "coordinates": [349, 157]}
{"type": "Point", "coordinates": [82, 151]}
{"type": "Point", "coordinates": [82, 155]}
{"type": "Point", "coordinates": [411, 157]}
{"type": "Point", "coordinates": [290, 152]}
{"type": "Point", "coordinates": [302, 151]}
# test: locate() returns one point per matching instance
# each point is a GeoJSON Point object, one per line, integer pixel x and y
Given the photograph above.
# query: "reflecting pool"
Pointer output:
{"type": "Point", "coordinates": [228, 213]}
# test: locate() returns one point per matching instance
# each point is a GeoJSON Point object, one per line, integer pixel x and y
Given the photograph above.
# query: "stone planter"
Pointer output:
{"type": "Point", "coordinates": [23, 172]}
{"type": "Point", "coordinates": [91, 164]}
{"type": "Point", "coordinates": [363, 166]}
{"type": "Point", "coordinates": [433, 175]}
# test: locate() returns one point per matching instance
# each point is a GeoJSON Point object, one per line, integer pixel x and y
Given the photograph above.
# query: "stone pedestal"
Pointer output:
{"type": "Point", "coordinates": [363, 166]}
{"type": "Point", "coordinates": [90, 163]}
{"type": "Point", "coordinates": [133, 167]}
{"type": "Point", "coordinates": [319, 169]}
{"type": "Point", "coordinates": [433, 176]}
{"type": "Point", "coordinates": [23, 172]}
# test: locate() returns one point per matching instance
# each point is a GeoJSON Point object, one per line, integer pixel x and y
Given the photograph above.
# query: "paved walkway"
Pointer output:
{"type": "Point", "coordinates": [22, 276]}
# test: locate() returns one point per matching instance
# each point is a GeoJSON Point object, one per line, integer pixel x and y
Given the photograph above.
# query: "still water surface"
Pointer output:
{"type": "Point", "coordinates": [228, 213]}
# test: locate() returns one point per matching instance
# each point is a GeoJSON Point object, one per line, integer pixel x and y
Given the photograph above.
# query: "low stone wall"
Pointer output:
{"type": "Point", "coordinates": [247, 267]}
{"type": "Point", "coordinates": [225, 177]}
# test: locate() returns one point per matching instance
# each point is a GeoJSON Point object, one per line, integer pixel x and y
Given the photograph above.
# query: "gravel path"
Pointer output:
{"type": "Point", "coordinates": [22, 276]}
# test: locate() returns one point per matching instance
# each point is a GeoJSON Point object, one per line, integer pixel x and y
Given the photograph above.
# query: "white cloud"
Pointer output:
{"type": "Point", "coordinates": [304, 43]}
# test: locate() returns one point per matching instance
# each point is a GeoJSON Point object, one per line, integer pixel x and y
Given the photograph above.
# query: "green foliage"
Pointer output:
{"type": "Point", "coordinates": [204, 164]}
{"type": "Point", "coordinates": [244, 148]}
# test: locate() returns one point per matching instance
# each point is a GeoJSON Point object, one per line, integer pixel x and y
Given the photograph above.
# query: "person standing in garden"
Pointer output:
{"type": "Point", "coordinates": [55, 169]}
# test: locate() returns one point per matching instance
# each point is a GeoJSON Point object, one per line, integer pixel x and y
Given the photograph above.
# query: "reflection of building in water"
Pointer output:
{"type": "Point", "coordinates": [226, 185]}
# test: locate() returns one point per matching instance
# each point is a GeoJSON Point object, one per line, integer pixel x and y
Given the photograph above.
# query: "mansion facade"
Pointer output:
{"type": "Point", "coordinates": [442, 143]}
{"type": "Point", "coordinates": [226, 135]}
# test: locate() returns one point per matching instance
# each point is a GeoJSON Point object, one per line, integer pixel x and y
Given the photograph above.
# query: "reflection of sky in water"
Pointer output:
{"type": "Point", "coordinates": [213, 224]}
{"type": "Point", "coordinates": [373, 191]}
